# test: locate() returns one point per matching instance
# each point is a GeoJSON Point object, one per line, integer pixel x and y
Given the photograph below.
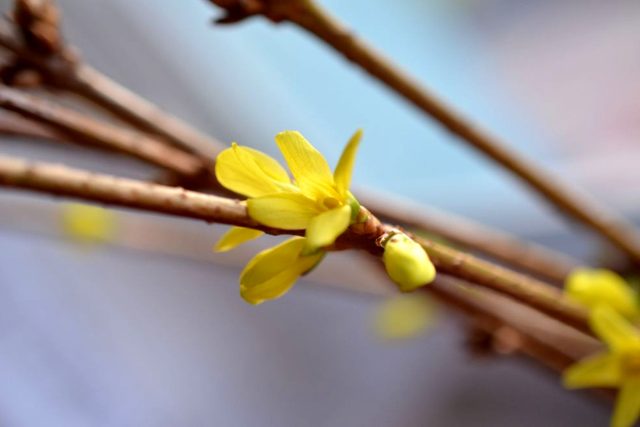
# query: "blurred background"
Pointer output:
{"type": "Point", "coordinates": [149, 330]}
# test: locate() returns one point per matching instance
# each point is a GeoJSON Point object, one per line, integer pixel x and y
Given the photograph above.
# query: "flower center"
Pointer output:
{"type": "Point", "coordinates": [330, 202]}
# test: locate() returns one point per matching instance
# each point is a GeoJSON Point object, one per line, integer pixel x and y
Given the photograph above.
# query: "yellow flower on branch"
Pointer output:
{"type": "Point", "coordinates": [619, 367]}
{"type": "Point", "coordinates": [594, 287]}
{"type": "Point", "coordinates": [317, 200]}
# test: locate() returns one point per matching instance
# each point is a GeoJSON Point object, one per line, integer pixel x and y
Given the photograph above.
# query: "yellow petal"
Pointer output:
{"type": "Point", "coordinates": [271, 261]}
{"type": "Point", "coordinates": [289, 211]}
{"type": "Point", "coordinates": [344, 170]}
{"type": "Point", "coordinates": [251, 173]}
{"type": "Point", "coordinates": [627, 407]}
{"type": "Point", "coordinates": [87, 223]}
{"type": "Point", "coordinates": [601, 370]}
{"type": "Point", "coordinates": [615, 330]}
{"type": "Point", "coordinates": [309, 168]}
{"type": "Point", "coordinates": [404, 316]}
{"type": "Point", "coordinates": [323, 229]}
{"type": "Point", "coordinates": [272, 272]}
{"type": "Point", "coordinates": [594, 287]}
{"type": "Point", "coordinates": [235, 237]}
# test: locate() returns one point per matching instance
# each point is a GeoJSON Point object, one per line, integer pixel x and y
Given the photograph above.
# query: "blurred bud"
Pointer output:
{"type": "Point", "coordinates": [404, 316]}
{"type": "Point", "coordinates": [87, 223]}
{"type": "Point", "coordinates": [406, 262]}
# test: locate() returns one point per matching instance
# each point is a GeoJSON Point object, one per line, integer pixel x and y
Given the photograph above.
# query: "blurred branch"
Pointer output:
{"type": "Point", "coordinates": [64, 181]}
{"type": "Point", "coordinates": [500, 246]}
{"type": "Point", "coordinates": [139, 145]}
{"type": "Point", "coordinates": [59, 67]}
{"type": "Point", "coordinates": [512, 328]}
{"type": "Point", "coordinates": [107, 189]}
{"type": "Point", "coordinates": [310, 16]}
{"type": "Point", "coordinates": [16, 126]}
{"type": "Point", "coordinates": [530, 291]}
{"type": "Point", "coordinates": [92, 85]}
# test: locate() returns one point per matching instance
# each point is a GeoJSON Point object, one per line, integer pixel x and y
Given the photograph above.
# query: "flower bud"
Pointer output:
{"type": "Point", "coordinates": [406, 262]}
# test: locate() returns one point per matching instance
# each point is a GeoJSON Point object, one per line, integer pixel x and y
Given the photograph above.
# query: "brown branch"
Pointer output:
{"type": "Point", "coordinates": [64, 181]}
{"type": "Point", "coordinates": [530, 291]}
{"type": "Point", "coordinates": [310, 16]}
{"type": "Point", "coordinates": [134, 143]}
{"type": "Point", "coordinates": [92, 85]}
{"type": "Point", "coordinates": [512, 327]}
{"type": "Point", "coordinates": [39, 23]}
{"type": "Point", "coordinates": [107, 189]}
{"type": "Point", "coordinates": [64, 70]}
{"type": "Point", "coordinates": [471, 236]}
{"type": "Point", "coordinates": [19, 127]}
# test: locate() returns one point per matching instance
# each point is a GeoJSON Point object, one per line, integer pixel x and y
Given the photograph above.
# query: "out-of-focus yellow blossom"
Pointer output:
{"type": "Point", "coordinates": [404, 316]}
{"type": "Point", "coordinates": [317, 200]}
{"type": "Point", "coordinates": [594, 287]}
{"type": "Point", "coordinates": [87, 223]}
{"type": "Point", "coordinates": [272, 272]}
{"type": "Point", "coordinates": [619, 367]}
{"type": "Point", "coordinates": [407, 263]}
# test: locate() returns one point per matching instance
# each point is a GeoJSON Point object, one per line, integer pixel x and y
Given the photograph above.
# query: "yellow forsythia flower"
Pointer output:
{"type": "Point", "coordinates": [619, 367]}
{"type": "Point", "coordinates": [594, 287]}
{"type": "Point", "coordinates": [407, 263]}
{"type": "Point", "coordinates": [87, 223]}
{"type": "Point", "coordinates": [317, 201]}
{"type": "Point", "coordinates": [404, 316]}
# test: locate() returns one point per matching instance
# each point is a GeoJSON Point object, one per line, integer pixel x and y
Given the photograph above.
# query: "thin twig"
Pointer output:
{"type": "Point", "coordinates": [528, 332]}
{"type": "Point", "coordinates": [64, 70]}
{"type": "Point", "coordinates": [139, 145]}
{"type": "Point", "coordinates": [64, 181]}
{"type": "Point", "coordinates": [107, 189]}
{"type": "Point", "coordinates": [103, 91]}
{"type": "Point", "coordinates": [310, 16]}
{"type": "Point", "coordinates": [20, 127]}
{"type": "Point", "coordinates": [530, 291]}
{"type": "Point", "coordinates": [471, 236]}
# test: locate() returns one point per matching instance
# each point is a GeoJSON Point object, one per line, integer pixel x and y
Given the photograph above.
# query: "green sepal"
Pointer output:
{"type": "Point", "coordinates": [355, 208]}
